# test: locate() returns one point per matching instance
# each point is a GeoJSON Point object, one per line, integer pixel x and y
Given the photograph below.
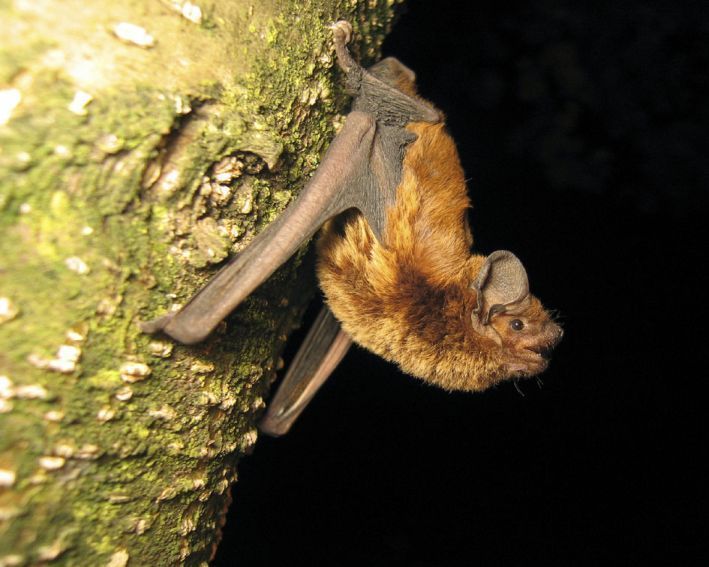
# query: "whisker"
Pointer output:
{"type": "Point", "coordinates": [556, 315]}
{"type": "Point", "coordinates": [516, 383]}
{"type": "Point", "coordinates": [540, 384]}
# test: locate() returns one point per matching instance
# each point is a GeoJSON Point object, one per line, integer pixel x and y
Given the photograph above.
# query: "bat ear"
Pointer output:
{"type": "Point", "coordinates": [500, 283]}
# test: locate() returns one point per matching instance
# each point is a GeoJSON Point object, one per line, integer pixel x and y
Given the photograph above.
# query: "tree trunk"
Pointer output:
{"type": "Point", "coordinates": [141, 143]}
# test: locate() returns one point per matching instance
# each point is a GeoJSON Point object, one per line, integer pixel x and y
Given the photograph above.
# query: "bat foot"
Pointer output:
{"type": "Point", "coordinates": [342, 30]}
{"type": "Point", "coordinates": [342, 33]}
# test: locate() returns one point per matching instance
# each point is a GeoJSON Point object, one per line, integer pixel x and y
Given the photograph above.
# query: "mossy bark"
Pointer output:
{"type": "Point", "coordinates": [132, 161]}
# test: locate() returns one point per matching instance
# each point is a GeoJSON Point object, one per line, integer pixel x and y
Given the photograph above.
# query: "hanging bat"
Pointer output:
{"type": "Point", "coordinates": [394, 259]}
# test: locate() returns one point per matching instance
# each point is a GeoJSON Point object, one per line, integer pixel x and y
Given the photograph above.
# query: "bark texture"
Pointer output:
{"type": "Point", "coordinates": [141, 143]}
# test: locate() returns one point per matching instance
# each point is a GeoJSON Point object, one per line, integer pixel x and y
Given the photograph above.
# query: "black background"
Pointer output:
{"type": "Point", "coordinates": [582, 131]}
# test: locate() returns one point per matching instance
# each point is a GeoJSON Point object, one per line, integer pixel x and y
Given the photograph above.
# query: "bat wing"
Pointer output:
{"type": "Point", "coordinates": [343, 180]}
{"type": "Point", "coordinates": [361, 169]}
{"type": "Point", "coordinates": [323, 349]}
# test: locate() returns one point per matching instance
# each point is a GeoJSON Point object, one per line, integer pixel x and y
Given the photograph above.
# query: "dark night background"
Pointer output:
{"type": "Point", "coordinates": [583, 133]}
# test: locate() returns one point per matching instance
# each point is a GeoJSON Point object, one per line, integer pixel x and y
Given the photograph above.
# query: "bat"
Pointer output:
{"type": "Point", "coordinates": [394, 257]}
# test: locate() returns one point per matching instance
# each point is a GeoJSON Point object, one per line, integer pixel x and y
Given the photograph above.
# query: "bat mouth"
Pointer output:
{"type": "Point", "coordinates": [540, 359]}
{"type": "Point", "coordinates": [545, 352]}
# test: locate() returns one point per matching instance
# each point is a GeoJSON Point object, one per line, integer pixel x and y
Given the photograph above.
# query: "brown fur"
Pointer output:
{"type": "Point", "coordinates": [409, 299]}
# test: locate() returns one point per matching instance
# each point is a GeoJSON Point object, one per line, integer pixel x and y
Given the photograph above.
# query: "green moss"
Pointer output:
{"type": "Point", "coordinates": [107, 380]}
{"type": "Point", "coordinates": [98, 209]}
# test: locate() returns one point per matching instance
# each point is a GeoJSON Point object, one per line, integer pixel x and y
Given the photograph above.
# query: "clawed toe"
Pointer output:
{"type": "Point", "coordinates": [342, 30]}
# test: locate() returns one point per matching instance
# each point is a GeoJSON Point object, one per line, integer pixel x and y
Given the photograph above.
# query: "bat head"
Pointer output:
{"type": "Point", "coordinates": [508, 314]}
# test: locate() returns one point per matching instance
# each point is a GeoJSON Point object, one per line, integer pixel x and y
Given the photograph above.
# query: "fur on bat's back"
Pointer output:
{"type": "Point", "coordinates": [409, 298]}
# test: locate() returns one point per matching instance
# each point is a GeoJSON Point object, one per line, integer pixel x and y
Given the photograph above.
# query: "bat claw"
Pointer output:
{"type": "Point", "coordinates": [155, 325]}
{"type": "Point", "coordinates": [342, 30]}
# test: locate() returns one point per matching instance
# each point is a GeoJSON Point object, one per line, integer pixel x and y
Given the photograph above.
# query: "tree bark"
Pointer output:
{"type": "Point", "coordinates": [141, 143]}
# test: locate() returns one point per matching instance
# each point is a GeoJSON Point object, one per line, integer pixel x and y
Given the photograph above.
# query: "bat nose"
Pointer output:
{"type": "Point", "coordinates": [559, 335]}
{"type": "Point", "coordinates": [555, 335]}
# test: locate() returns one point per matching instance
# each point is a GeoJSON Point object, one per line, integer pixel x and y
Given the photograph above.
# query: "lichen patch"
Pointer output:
{"type": "Point", "coordinates": [76, 264]}
{"type": "Point", "coordinates": [31, 392]}
{"type": "Point", "coordinates": [69, 352]}
{"type": "Point", "coordinates": [54, 416]}
{"type": "Point", "coordinates": [187, 10]}
{"type": "Point", "coordinates": [9, 99]}
{"type": "Point", "coordinates": [7, 388]}
{"type": "Point", "coordinates": [164, 412]}
{"type": "Point", "coordinates": [8, 310]}
{"type": "Point", "coordinates": [160, 349]}
{"type": "Point", "coordinates": [132, 372]}
{"type": "Point", "coordinates": [51, 463]}
{"type": "Point", "coordinates": [118, 559]}
{"type": "Point", "coordinates": [106, 413]}
{"type": "Point", "coordinates": [124, 394]}
{"type": "Point", "coordinates": [133, 34]}
{"type": "Point", "coordinates": [7, 478]}
{"type": "Point", "coordinates": [65, 361]}
{"type": "Point", "coordinates": [79, 103]}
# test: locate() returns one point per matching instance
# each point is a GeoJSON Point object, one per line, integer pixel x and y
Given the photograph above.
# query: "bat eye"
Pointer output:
{"type": "Point", "coordinates": [517, 324]}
